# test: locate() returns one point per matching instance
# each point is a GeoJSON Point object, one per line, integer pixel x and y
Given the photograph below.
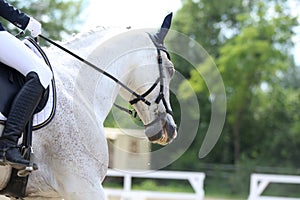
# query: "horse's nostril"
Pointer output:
{"type": "Point", "coordinates": [170, 129]}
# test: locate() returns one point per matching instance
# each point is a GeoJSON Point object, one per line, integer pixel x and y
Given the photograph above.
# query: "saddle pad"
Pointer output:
{"type": "Point", "coordinates": [43, 117]}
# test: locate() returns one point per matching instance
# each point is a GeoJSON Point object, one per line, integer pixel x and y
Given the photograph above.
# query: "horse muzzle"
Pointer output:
{"type": "Point", "coordinates": [162, 130]}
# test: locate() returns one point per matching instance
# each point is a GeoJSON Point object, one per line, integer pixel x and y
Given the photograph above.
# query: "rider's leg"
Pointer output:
{"type": "Point", "coordinates": [21, 112]}
{"type": "Point", "coordinates": [16, 54]}
{"type": "Point", "coordinates": [38, 76]}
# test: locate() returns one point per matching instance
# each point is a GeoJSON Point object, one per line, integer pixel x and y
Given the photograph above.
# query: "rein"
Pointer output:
{"type": "Point", "coordinates": [139, 97]}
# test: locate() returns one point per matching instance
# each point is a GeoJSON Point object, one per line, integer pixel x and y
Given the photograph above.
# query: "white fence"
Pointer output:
{"type": "Point", "coordinates": [196, 180]}
{"type": "Point", "coordinates": [259, 183]}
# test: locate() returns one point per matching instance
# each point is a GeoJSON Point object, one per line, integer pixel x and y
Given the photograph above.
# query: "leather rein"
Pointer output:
{"type": "Point", "coordinates": [138, 97]}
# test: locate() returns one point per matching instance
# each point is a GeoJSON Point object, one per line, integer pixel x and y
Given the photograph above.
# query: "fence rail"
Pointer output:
{"type": "Point", "coordinates": [259, 183]}
{"type": "Point", "coordinates": [196, 180]}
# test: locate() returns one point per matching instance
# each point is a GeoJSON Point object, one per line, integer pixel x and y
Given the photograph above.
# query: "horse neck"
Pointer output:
{"type": "Point", "coordinates": [98, 92]}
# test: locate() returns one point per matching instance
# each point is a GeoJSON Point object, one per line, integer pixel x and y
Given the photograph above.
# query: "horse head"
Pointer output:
{"type": "Point", "coordinates": [152, 80]}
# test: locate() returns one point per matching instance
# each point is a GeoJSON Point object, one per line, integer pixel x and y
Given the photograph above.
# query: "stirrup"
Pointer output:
{"type": "Point", "coordinates": [25, 172]}
{"type": "Point", "coordinates": [28, 153]}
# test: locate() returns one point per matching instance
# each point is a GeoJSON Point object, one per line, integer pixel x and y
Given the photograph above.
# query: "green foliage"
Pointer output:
{"type": "Point", "coordinates": [58, 17]}
{"type": "Point", "coordinates": [252, 63]}
{"type": "Point", "coordinates": [251, 45]}
{"type": "Point", "coordinates": [151, 185]}
{"type": "Point", "coordinates": [204, 20]}
{"type": "Point", "coordinates": [166, 186]}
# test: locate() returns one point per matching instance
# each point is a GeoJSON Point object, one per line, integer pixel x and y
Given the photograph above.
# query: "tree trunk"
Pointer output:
{"type": "Point", "coordinates": [236, 143]}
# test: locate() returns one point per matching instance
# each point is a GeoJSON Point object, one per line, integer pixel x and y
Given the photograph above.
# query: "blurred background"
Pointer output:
{"type": "Point", "coordinates": [254, 44]}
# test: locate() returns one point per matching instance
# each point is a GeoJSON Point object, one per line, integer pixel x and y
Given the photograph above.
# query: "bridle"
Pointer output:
{"type": "Point", "coordinates": [161, 97]}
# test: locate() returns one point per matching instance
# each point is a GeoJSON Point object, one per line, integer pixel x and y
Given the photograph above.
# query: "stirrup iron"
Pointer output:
{"type": "Point", "coordinates": [28, 153]}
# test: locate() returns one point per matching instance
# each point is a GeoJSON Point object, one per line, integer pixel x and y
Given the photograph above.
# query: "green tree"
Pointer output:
{"type": "Point", "coordinates": [254, 57]}
{"type": "Point", "coordinates": [253, 61]}
{"type": "Point", "coordinates": [209, 22]}
{"type": "Point", "coordinates": [58, 18]}
{"type": "Point", "coordinates": [253, 54]}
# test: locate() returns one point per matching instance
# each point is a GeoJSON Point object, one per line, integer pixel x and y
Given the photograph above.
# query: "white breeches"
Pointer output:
{"type": "Point", "coordinates": [17, 55]}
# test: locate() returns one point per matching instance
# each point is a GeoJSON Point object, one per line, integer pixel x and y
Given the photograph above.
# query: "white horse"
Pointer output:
{"type": "Point", "coordinates": [71, 151]}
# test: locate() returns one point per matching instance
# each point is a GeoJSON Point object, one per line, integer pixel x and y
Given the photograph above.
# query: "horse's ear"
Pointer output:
{"type": "Point", "coordinates": [164, 28]}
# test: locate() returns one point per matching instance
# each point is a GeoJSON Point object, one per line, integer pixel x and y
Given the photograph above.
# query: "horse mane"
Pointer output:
{"type": "Point", "coordinates": [92, 38]}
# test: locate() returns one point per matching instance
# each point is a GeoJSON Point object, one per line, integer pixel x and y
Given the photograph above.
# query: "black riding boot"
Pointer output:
{"type": "Point", "coordinates": [21, 112]}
